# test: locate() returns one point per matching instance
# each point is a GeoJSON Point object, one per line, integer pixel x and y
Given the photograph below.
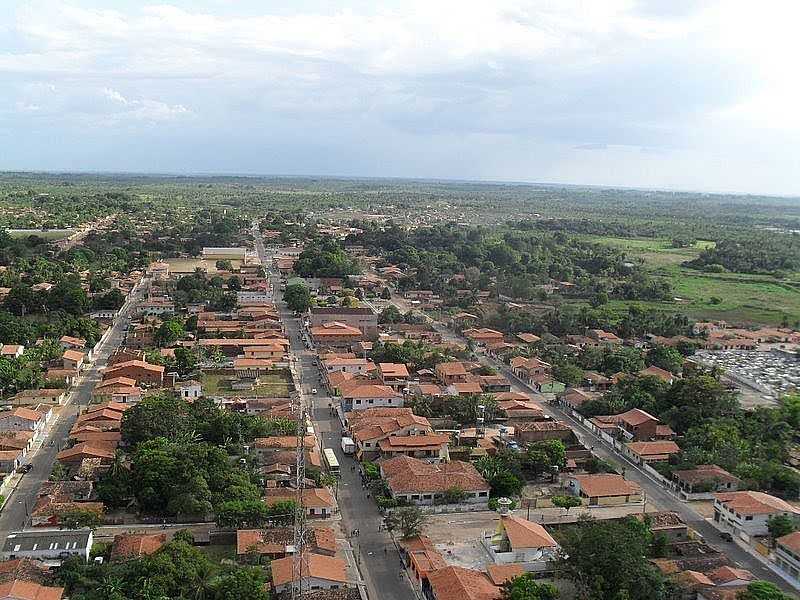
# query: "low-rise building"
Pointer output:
{"type": "Point", "coordinates": [517, 540]}
{"type": "Point", "coordinates": [317, 502]}
{"type": "Point", "coordinates": [650, 452]}
{"type": "Point", "coordinates": [787, 555]}
{"type": "Point", "coordinates": [705, 480]}
{"type": "Point", "coordinates": [746, 513]}
{"type": "Point", "coordinates": [318, 572]}
{"type": "Point", "coordinates": [420, 482]}
{"type": "Point", "coordinates": [458, 583]}
{"type": "Point", "coordinates": [605, 489]}
{"type": "Point", "coordinates": [364, 395]}
{"type": "Point", "coordinates": [51, 545]}
{"type": "Point", "coordinates": [430, 448]}
{"type": "Point", "coordinates": [135, 545]}
{"type": "Point", "coordinates": [73, 360]}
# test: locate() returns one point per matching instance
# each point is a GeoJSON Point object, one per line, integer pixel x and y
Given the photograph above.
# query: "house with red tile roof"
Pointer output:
{"type": "Point", "coordinates": [317, 502]}
{"type": "Point", "coordinates": [369, 427]}
{"type": "Point", "coordinates": [701, 482]}
{"type": "Point", "coordinates": [420, 482]}
{"type": "Point", "coordinates": [369, 395]}
{"type": "Point", "coordinates": [520, 541]}
{"type": "Point", "coordinates": [787, 555]}
{"type": "Point", "coordinates": [451, 372]}
{"type": "Point", "coordinates": [277, 542]}
{"type": "Point", "coordinates": [144, 373]}
{"type": "Point", "coordinates": [658, 373]}
{"type": "Point", "coordinates": [430, 447]}
{"type": "Point", "coordinates": [318, 572]}
{"type": "Point", "coordinates": [458, 583]}
{"type": "Point", "coordinates": [18, 589]}
{"type": "Point", "coordinates": [134, 545]}
{"type": "Point", "coordinates": [746, 512]}
{"type": "Point", "coordinates": [650, 452]}
{"type": "Point", "coordinates": [334, 334]}
{"type": "Point", "coordinates": [605, 489]}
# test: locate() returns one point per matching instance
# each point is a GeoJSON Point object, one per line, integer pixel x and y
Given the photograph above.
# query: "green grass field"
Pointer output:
{"type": "Point", "coordinates": [276, 384]}
{"type": "Point", "coordinates": [734, 297]}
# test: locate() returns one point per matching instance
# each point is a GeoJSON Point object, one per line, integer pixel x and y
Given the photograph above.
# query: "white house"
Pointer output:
{"type": "Point", "coordinates": [518, 540]}
{"type": "Point", "coordinates": [48, 544]}
{"type": "Point", "coordinates": [23, 419]}
{"type": "Point", "coordinates": [370, 396]}
{"type": "Point", "coordinates": [189, 389]}
{"type": "Point", "coordinates": [747, 512]}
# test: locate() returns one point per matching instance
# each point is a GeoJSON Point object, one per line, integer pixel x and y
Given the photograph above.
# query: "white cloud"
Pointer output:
{"type": "Point", "coordinates": [676, 77]}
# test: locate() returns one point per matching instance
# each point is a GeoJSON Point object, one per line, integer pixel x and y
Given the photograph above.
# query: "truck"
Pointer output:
{"type": "Point", "coordinates": [348, 445]}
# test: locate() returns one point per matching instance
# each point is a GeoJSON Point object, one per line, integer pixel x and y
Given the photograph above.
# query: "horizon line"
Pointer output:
{"type": "Point", "coordinates": [489, 182]}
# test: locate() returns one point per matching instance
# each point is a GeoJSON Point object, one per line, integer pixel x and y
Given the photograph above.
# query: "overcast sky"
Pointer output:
{"type": "Point", "coordinates": [657, 93]}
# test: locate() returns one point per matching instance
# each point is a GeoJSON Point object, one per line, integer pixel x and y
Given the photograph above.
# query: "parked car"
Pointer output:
{"type": "Point", "coordinates": [726, 535]}
{"type": "Point", "coordinates": [26, 468]}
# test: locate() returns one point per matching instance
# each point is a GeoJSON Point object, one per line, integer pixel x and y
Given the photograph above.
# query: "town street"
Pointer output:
{"type": "Point", "coordinates": [21, 500]}
{"type": "Point", "coordinates": [379, 562]}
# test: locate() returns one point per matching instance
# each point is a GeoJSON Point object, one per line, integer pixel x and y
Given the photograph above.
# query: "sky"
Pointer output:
{"type": "Point", "coordinates": [651, 93]}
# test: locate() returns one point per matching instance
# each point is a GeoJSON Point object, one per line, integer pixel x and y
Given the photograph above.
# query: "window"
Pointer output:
{"type": "Point", "coordinates": [748, 518]}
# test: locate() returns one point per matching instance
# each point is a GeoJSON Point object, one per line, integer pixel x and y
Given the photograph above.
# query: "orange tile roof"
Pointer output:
{"type": "Point", "coordinates": [726, 574]}
{"type": "Point", "coordinates": [269, 541]}
{"type": "Point", "coordinates": [370, 391]}
{"type": "Point", "coordinates": [310, 498]}
{"type": "Point", "coordinates": [451, 368]}
{"type": "Point", "coordinates": [526, 534]}
{"type": "Point", "coordinates": [408, 475]}
{"type": "Point", "coordinates": [23, 413]}
{"type": "Point", "coordinates": [317, 566]}
{"type": "Point", "coordinates": [17, 589]}
{"type": "Point", "coordinates": [602, 485]}
{"type": "Point", "coordinates": [134, 545]}
{"type": "Point", "coordinates": [405, 442]}
{"type": "Point", "coordinates": [393, 369]}
{"type": "Point", "coordinates": [73, 355]}
{"type": "Point", "coordinates": [499, 574]}
{"type": "Point", "coordinates": [653, 448]}
{"type": "Point", "coordinates": [458, 583]}
{"type": "Point", "coordinates": [755, 503]}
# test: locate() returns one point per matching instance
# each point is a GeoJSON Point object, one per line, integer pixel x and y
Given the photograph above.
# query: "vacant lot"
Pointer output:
{"type": "Point", "coordinates": [654, 252]}
{"type": "Point", "coordinates": [734, 297]}
{"type": "Point", "coordinates": [276, 384]}
{"type": "Point", "coordinates": [189, 265]}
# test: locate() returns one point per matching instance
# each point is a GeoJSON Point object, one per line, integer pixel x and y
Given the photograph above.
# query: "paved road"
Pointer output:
{"type": "Point", "coordinates": [655, 492]}
{"type": "Point", "coordinates": [374, 551]}
{"type": "Point", "coordinates": [14, 515]}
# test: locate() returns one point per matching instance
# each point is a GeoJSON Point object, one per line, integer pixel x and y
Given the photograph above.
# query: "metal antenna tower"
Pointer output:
{"type": "Point", "coordinates": [299, 516]}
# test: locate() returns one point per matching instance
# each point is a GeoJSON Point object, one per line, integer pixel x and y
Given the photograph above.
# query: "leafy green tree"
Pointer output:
{"type": "Point", "coordinates": [525, 587]}
{"type": "Point", "coordinates": [79, 519]}
{"type": "Point", "coordinates": [409, 520]}
{"type": "Point", "coordinates": [762, 590]}
{"type": "Point", "coordinates": [386, 294]}
{"type": "Point", "coordinates": [780, 525]}
{"type": "Point", "coordinates": [297, 297]}
{"type": "Point", "coordinates": [234, 283]}
{"type": "Point", "coordinates": [666, 358]}
{"type": "Point", "coordinates": [242, 583]}
{"type": "Point", "coordinates": [607, 560]}
{"type": "Point", "coordinates": [566, 502]}
{"type": "Point", "coordinates": [567, 373]}
{"type": "Point", "coordinates": [169, 332]}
